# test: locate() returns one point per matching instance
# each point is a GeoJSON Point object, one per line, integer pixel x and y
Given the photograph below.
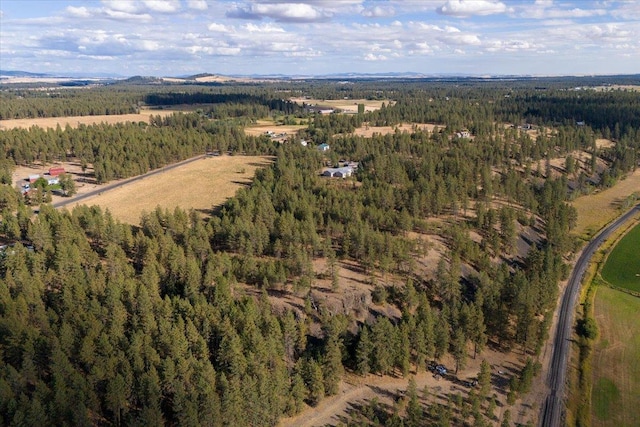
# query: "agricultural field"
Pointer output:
{"type": "Point", "coordinates": [622, 268]}
{"type": "Point", "coordinates": [616, 366]}
{"type": "Point", "coordinates": [201, 185]}
{"type": "Point", "coordinates": [74, 121]}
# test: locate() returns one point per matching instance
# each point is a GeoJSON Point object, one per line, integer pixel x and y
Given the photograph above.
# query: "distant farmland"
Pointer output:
{"type": "Point", "coordinates": [622, 268]}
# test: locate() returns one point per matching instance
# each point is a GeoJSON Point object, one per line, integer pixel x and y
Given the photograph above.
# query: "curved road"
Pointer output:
{"type": "Point", "coordinates": [552, 412]}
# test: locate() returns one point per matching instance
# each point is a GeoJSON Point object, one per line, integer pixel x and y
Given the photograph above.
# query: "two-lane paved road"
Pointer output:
{"type": "Point", "coordinates": [552, 414]}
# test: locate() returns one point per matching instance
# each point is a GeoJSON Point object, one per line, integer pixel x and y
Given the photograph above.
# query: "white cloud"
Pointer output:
{"type": "Point", "coordinates": [511, 46]}
{"type": "Point", "coordinates": [460, 39]}
{"type": "Point", "coordinates": [220, 28]}
{"type": "Point", "coordinates": [127, 6]}
{"type": "Point", "coordinates": [627, 11]}
{"type": "Point", "coordinates": [78, 12]}
{"type": "Point", "coordinates": [163, 6]}
{"type": "Point", "coordinates": [197, 4]}
{"type": "Point", "coordinates": [374, 57]}
{"type": "Point", "coordinates": [547, 10]}
{"type": "Point", "coordinates": [462, 8]}
{"type": "Point", "coordinates": [281, 12]}
{"type": "Point", "coordinates": [126, 16]}
{"type": "Point", "coordinates": [264, 28]}
{"type": "Point", "coordinates": [379, 12]}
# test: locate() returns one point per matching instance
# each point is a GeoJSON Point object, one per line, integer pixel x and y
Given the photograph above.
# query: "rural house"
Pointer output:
{"type": "Point", "coordinates": [342, 172]}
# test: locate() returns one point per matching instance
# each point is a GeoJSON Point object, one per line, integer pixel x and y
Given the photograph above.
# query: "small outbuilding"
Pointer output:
{"type": "Point", "coordinates": [56, 171]}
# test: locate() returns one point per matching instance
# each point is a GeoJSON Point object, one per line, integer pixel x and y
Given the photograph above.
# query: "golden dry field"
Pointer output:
{"type": "Point", "coordinates": [368, 131]}
{"type": "Point", "coordinates": [263, 126]}
{"type": "Point", "coordinates": [596, 210]}
{"type": "Point", "coordinates": [346, 105]}
{"type": "Point", "coordinates": [200, 185]}
{"type": "Point", "coordinates": [74, 121]}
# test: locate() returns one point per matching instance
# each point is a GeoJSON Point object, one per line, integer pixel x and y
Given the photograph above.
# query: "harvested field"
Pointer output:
{"type": "Point", "coordinates": [368, 131]}
{"type": "Point", "coordinates": [346, 105]}
{"type": "Point", "coordinates": [596, 210]}
{"type": "Point", "coordinates": [616, 366]}
{"type": "Point", "coordinates": [74, 121]}
{"type": "Point", "coordinates": [200, 185]}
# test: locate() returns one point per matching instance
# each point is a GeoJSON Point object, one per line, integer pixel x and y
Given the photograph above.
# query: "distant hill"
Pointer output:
{"type": "Point", "coordinates": [18, 73]}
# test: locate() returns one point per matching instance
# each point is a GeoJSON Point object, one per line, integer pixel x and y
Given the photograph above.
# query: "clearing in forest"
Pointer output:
{"type": "Point", "coordinates": [596, 210]}
{"type": "Point", "coordinates": [616, 371]}
{"type": "Point", "coordinates": [345, 105]}
{"type": "Point", "coordinates": [263, 126]}
{"type": "Point", "coordinates": [622, 268]}
{"type": "Point", "coordinates": [368, 131]}
{"type": "Point", "coordinates": [74, 121]}
{"type": "Point", "coordinates": [200, 185]}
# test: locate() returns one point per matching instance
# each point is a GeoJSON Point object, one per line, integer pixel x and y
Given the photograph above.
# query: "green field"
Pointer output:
{"type": "Point", "coordinates": [616, 360]}
{"type": "Point", "coordinates": [622, 268]}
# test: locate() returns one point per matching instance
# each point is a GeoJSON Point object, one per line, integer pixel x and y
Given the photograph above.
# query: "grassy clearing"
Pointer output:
{"type": "Point", "coordinates": [622, 268]}
{"type": "Point", "coordinates": [264, 126]}
{"type": "Point", "coordinates": [74, 121]}
{"type": "Point", "coordinates": [200, 185]}
{"type": "Point", "coordinates": [616, 360]}
{"type": "Point", "coordinates": [368, 131]}
{"type": "Point", "coordinates": [346, 105]}
{"type": "Point", "coordinates": [596, 210]}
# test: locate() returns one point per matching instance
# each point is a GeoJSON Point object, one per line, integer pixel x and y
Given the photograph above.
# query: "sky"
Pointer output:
{"type": "Point", "coordinates": [320, 37]}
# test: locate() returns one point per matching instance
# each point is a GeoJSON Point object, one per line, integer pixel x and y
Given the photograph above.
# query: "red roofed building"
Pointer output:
{"type": "Point", "coordinates": [56, 171]}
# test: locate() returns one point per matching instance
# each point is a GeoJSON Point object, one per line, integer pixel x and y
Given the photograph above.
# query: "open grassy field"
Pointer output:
{"type": "Point", "coordinates": [346, 105]}
{"type": "Point", "coordinates": [368, 131]}
{"type": "Point", "coordinates": [74, 121]}
{"type": "Point", "coordinates": [201, 185]}
{"type": "Point", "coordinates": [596, 210]}
{"type": "Point", "coordinates": [622, 268]}
{"type": "Point", "coordinates": [263, 126]}
{"type": "Point", "coordinates": [616, 360]}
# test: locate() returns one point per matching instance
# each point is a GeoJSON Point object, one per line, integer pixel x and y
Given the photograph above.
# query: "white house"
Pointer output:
{"type": "Point", "coordinates": [342, 172]}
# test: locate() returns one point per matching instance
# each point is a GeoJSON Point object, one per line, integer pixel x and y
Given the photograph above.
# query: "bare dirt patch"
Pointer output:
{"type": "Point", "coordinates": [74, 121]}
{"type": "Point", "coordinates": [355, 390]}
{"type": "Point", "coordinates": [596, 210]}
{"type": "Point", "coordinates": [604, 143]}
{"type": "Point", "coordinates": [369, 131]}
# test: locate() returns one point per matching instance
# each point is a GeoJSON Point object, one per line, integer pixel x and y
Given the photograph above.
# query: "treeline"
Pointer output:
{"type": "Point", "coordinates": [28, 104]}
{"type": "Point", "coordinates": [125, 150]}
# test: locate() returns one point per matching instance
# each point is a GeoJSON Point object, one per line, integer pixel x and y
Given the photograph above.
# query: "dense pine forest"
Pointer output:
{"type": "Point", "coordinates": [103, 323]}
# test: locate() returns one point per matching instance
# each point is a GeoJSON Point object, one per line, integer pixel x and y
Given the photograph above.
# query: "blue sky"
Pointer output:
{"type": "Point", "coordinates": [297, 37]}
